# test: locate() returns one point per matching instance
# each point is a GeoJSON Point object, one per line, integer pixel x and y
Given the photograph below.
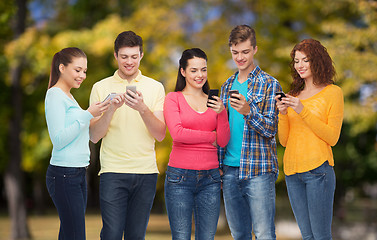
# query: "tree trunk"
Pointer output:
{"type": "Point", "coordinates": [13, 178]}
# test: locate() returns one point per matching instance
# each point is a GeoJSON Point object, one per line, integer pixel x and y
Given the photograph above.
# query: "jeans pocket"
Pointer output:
{"type": "Point", "coordinates": [321, 170]}
{"type": "Point", "coordinates": [215, 176]}
{"type": "Point", "coordinates": [50, 184]}
{"type": "Point", "coordinates": [173, 178]}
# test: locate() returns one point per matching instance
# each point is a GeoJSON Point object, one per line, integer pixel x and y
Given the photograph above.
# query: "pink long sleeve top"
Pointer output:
{"type": "Point", "coordinates": [193, 134]}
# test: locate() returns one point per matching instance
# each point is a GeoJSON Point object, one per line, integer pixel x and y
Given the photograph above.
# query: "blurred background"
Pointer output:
{"type": "Point", "coordinates": [31, 31]}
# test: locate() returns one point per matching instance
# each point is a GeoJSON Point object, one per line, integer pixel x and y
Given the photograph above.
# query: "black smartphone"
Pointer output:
{"type": "Point", "coordinates": [281, 94]}
{"type": "Point", "coordinates": [231, 92]}
{"type": "Point", "coordinates": [212, 92]}
{"type": "Point", "coordinates": [110, 96]}
{"type": "Point", "coordinates": [132, 88]}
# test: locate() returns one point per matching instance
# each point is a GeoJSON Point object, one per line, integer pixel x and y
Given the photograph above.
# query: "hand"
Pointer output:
{"type": "Point", "coordinates": [98, 108]}
{"type": "Point", "coordinates": [240, 105]}
{"type": "Point", "coordinates": [294, 103]}
{"type": "Point", "coordinates": [216, 105]}
{"type": "Point", "coordinates": [116, 102]}
{"type": "Point", "coordinates": [215, 142]}
{"type": "Point", "coordinates": [283, 108]}
{"type": "Point", "coordinates": [134, 100]}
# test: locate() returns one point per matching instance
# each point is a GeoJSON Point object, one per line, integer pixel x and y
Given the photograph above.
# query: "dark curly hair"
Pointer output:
{"type": "Point", "coordinates": [321, 65]}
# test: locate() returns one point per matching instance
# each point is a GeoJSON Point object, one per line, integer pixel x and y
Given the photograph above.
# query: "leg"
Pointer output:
{"type": "Point", "coordinates": [297, 194]}
{"type": "Point", "coordinates": [260, 195]}
{"type": "Point", "coordinates": [67, 188]}
{"type": "Point", "coordinates": [236, 208]}
{"type": "Point", "coordinates": [320, 194]}
{"type": "Point", "coordinates": [114, 195]}
{"type": "Point", "coordinates": [140, 205]}
{"type": "Point", "coordinates": [179, 200]}
{"type": "Point", "coordinates": [207, 205]}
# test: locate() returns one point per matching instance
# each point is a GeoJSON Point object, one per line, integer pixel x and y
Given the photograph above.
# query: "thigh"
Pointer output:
{"type": "Point", "coordinates": [67, 187]}
{"type": "Point", "coordinates": [207, 206]}
{"type": "Point", "coordinates": [320, 193]}
{"type": "Point", "coordinates": [236, 207]}
{"type": "Point", "coordinates": [179, 200]}
{"type": "Point", "coordinates": [260, 195]}
{"type": "Point", "coordinates": [139, 205]}
{"type": "Point", "coordinates": [297, 193]}
{"type": "Point", "coordinates": [114, 196]}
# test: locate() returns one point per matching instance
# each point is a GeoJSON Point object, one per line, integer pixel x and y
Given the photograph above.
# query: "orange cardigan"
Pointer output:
{"type": "Point", "coordinates": [308, 136]}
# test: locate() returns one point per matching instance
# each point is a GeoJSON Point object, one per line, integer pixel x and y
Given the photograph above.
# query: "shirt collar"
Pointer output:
{"type": "Point", "coordinates": [136, 79]}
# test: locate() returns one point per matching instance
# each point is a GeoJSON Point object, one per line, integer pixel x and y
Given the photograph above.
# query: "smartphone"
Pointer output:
{"type": "Point", "coordinates": [281, 94]}
{"type": "Point", "coordinates": [212, 92]}
{"type": "Point", "coordinates": [110, 96]}
{"type": "Point", "coordinates": [231, 92]}
{"type": "Point", "coordinates": [132, 88]}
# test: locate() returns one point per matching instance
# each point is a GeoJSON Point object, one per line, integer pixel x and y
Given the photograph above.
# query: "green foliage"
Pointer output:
{"type": "Point", "coordinates": [169, 27]}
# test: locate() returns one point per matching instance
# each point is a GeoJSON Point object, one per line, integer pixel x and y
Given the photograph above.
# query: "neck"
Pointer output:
{"type": "Point", "coordinates": [243, 73]}
{"type": "Point", "coordinates": [63, 87]}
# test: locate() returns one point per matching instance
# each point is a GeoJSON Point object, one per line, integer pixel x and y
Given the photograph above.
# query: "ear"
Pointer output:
{"type": "Point", "coordinates": [116, 56]}
{"type": "Point", "coordinates": [61, 67]}
{"type": "Point", "coordinates": [255, 49]}
{"type": "Point", "coordinates": [183, 72]}
{"type": "Point", "coordinates": [141, 55]}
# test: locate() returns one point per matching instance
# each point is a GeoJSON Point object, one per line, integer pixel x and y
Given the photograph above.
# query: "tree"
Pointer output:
{"type": "Point", "coordinates": [13, 177]}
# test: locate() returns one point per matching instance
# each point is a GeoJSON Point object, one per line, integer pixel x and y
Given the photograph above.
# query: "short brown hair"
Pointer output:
{"type": "Point", "coordinates": [242, 33]}
{"type": "Point", "coordinates": [128, 39]}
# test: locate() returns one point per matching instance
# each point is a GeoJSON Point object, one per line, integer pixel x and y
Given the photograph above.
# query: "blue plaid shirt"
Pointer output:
{"type": "Point", "coordinates": [258, 153]}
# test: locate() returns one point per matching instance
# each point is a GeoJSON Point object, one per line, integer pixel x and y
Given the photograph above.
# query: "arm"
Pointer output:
{"type": "Point", "coordinates": [60, 134]}
{"type": "Point", "coordinates": [264, 121]}
{"type": "Point", "coordinates": [154, 121]}
{"type": "Point", "coordinates": [283, 129]}
{"type": "Point", "coordinates": [330, 131]}
{"type": "Point", "coordinates": [222, 129]}
{"type": "Point", "coordinates": [99, 125]}
{"type": "Point", "coordinates": [177, 131]}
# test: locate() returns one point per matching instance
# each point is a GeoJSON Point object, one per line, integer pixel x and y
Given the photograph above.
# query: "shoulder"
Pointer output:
{"type": "Point", "coordinates": [151, 82]}
{"type": "Point", "coordinates": [172, 95]}
{"type": "Point", "coordinates": [334, 89]}
{"type": "Point", "coordinates": [103, 82]}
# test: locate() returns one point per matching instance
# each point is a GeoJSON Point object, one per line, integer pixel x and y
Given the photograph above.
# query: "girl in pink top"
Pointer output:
{"type": "Point", "coordinates": [192, 178]}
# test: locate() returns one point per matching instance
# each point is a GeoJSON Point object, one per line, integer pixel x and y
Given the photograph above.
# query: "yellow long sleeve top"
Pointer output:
{"type": "Point", "coordinates": [309, 136]}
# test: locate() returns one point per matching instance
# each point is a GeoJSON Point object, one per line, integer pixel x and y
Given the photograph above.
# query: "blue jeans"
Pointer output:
{"type": "Point", "coordinates": [249, 204]}
{"type": "Point", "coordinates": [312, 196]}
{"type": "Point", "coordinates": [68, 190]}
{"type": "Point", "coordinates": [126, 201]}
{"type": "Point", "coordinates": [188, 191]}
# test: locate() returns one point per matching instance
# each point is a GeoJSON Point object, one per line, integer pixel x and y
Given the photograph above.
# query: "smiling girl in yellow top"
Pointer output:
{"type": "Point", "coordinates": [310, 121]}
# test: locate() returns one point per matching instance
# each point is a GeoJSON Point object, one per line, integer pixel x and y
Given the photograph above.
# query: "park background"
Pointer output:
{"type": "Point", "coordinates": [32, 31]}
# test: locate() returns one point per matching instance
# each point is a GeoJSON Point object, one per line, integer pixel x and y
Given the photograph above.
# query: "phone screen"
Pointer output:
{"type": "Point", "coordinates": [212, 92]}
{"type": "Point", "coordinates": [110, 96]}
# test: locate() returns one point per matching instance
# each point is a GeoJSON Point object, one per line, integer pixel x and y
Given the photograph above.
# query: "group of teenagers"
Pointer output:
{"type": "Point", "coordinates": [223, 144]}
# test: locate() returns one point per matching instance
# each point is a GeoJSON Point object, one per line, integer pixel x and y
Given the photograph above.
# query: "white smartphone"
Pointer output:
{"type": "Point", "coordinates": [110, 96]}
{"type": "Point", "coordinates": [132, 88]}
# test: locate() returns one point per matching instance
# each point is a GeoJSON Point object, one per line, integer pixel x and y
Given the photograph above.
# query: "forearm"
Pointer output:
{"type": "Point", "coordinates": [154, 122]}
{"type": "Point", "coordinates": [265, 125]}
{"type": "Point", "coordinates": [99, 126]}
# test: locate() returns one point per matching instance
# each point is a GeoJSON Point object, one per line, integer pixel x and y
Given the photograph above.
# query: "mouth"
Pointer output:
{"type": "Point", "coordinates": [199, 81]}
{"type": "Point", "coordinates": [128, 68]}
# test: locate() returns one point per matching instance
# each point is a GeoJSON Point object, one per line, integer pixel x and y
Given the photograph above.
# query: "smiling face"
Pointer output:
{"type": "Point", "coordinates": [195, 73]}
{"type": "Point", "coordinates": [72, 75]}
{"type": "Point", "coordinates": [302, 65]}
{"type": "Point", "coordinates": [243, 55]}
{"type": "Point", "coordinates": [128, 59]}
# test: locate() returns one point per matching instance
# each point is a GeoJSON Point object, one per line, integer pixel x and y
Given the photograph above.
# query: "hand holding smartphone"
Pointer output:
{"type": "Point", "coordinates": [281, 95]}
{"type": "Point", "coordinates": [212, 92]}
{"type": "Point", "coordinates": [232, 92]}
{"type": "Point", "coordinates": [131, 88]}
{"type": "Point", "coordinates": [110, 96]}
